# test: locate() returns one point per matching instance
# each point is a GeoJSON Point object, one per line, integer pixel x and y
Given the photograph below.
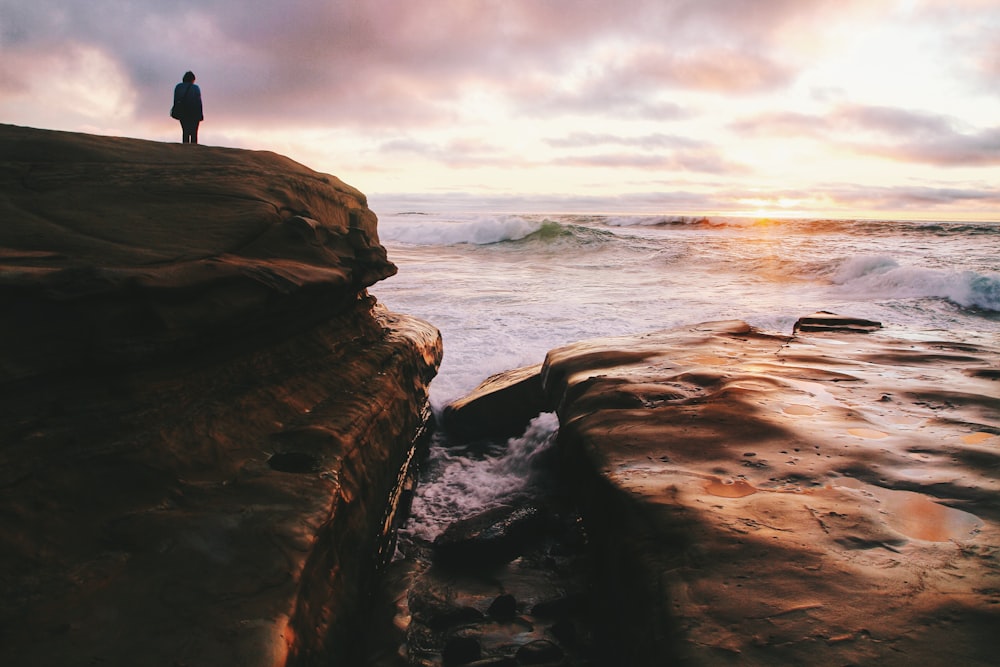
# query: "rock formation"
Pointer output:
{"type": "Point", "coordinates": [205, 418]}
{"type": "Point", "coordinates": [825, 498]}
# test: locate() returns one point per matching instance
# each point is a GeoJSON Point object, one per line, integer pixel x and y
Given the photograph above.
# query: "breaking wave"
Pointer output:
{"type": "Point", "coordinates": [878, 276]}
{"type": "Point", "coordinates": [475, 230]}
{"type": "Point", "coordinates": [488, 230]}
{"type": "Point", "coordinates": [458, 484]}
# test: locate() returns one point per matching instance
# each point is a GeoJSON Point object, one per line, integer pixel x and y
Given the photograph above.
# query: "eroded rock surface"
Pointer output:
{"type": "Point", "coordinates": [822, 499]}
{"type": "Point", "coordinates": [204, 418]}
{"type": "Point", "coordinates": [501, 406]}
{"type": "Point", "coordinates": [141, 248]}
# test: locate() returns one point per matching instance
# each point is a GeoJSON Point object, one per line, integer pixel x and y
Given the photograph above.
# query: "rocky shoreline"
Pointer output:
{"type": "Point", "coordinates": [209, 430]}
{"type": "Point", "coordinates": [827, 497]}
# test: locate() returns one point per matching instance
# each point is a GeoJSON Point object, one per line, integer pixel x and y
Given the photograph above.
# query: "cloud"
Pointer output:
{"type": "Point", "coordinates": [780, 124]}
{"type": "Point", "coordinates": [720, 70]}
{"type": "Point", "coordinates": [648, 141]}
{"type": "Point", "coordinates": [898, 134]}
{"type": "Point", "coordinates": [697, 161]}
{"type": "Point", "coordinates": [657, 151]}
{"type": "Point", "coordinates": [915, 136]}
{"type": "Point", "coordinates": [606, 96]}
{"type": "Point", "coordinates": [398, 63]}
{"type": "Point", "coordinates": [465, 152]}
{"type": "Point", "coordinates": [918, 201]}
{"type": "Point", "coordinates": [911, 197]}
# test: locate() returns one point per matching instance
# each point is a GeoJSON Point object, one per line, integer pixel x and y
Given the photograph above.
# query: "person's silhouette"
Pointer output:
{"type": "Point", "coordinates": [187, 108]}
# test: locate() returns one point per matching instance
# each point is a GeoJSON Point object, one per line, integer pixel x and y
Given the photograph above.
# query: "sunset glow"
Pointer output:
{"type": "Point", "coordinates": [880, 108]}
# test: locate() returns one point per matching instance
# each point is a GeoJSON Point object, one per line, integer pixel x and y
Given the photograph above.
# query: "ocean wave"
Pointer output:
{"type": "Point", "coordinates": [474, 230]}
{"type": "Point", "coordinates": [656, 221]}
{"type": "Point", "coordinates": [883, 277]}
{"type": "Point", "coordinates": [552, 232]}
{"type": "Point", "coordinates": [802, 225]}
{"type": "Point", "coordinates": [489, 230]}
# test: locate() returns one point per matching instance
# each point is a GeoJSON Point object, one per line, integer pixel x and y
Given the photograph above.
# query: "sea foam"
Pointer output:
{"type": "Point", "coordinates": [879, 276]}
{"type": "Point", "coordinates": [458, 485]}
{"type": "Point", "coordinates": [475, 230]}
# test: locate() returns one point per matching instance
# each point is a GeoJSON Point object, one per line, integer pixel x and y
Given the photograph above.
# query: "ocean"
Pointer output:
{"type": "Point", "coordinates": [504, 289]}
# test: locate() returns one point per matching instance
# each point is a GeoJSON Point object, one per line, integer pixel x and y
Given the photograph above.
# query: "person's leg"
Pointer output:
{"type": "Point", "coordinates": [190, 131]}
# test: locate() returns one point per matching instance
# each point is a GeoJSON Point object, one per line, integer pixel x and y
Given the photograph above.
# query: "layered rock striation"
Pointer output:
{"type": "Point", "coordinates": [205, 420]}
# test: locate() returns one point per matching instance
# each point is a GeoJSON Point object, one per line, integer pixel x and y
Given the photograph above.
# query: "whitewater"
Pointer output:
{"type": "Point", "coordinates": [504, 289]}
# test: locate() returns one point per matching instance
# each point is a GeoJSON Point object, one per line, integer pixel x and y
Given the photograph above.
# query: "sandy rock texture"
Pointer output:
{"type": "Point", "coordinates": [204, 418]}
{"type": "Point", "coordinates": [827, 498]}
{"type": "Point", "coordinates": [142, 247]}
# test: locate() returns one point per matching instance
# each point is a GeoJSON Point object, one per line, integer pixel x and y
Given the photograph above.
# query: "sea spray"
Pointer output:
{"type": "Point", "coordinates": [883, 277]}
{"type": "Point", "coordinates": [459, 482]}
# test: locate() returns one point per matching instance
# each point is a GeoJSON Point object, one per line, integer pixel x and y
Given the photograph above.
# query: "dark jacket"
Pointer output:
{"type": "Point", "coordinates": [188, 101]}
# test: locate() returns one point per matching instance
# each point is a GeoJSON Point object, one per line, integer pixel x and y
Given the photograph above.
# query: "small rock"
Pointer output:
{"type": "Point", "coordinates": [826, 321]}
{"type": "Point", "coordinates": [503, 608]}
{"type": "Point", "coordinates": [539, 652]}
{"type": "Point", "coordinates": [492, 537]}
{"type": "Point", "coordinates": [460, 651]}
{"type": "Point", "coordinates": [432, 607]}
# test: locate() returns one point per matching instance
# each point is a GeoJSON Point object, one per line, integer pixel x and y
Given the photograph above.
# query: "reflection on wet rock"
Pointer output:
{"type": "Point", "coordinates": [822, 498]}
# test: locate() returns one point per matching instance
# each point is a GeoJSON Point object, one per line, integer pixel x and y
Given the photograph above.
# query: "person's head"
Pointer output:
{"type": "Point", "coordinates": [189, 77]}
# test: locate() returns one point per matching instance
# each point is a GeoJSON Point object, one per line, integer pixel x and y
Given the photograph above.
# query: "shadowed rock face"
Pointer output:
{"type": "Point", "coordinates": [204, 418]}
{"type": "Point", "coordinates": [501, 406]}
{"type": "Point", "coordinates": [827, 498]}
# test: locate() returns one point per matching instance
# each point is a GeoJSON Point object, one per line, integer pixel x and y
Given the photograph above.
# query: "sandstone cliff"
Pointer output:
{"type": "Point", "coordinates": [205, 418]}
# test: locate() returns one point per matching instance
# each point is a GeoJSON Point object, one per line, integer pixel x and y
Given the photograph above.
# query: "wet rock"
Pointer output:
{"type": "Point", "coordinates": [703, 560]}
{"type": "Point", "coordinates": [492, 537]}
{"type": "Point", "coordinates": [539, 652]}
{"type": "Point", "coordinates": [502, 661]}
{"type": "Point", "coordinates": [504, 607]}
{"type": "Point", "coordinates": [501, 406]}
{"type": "Point", "coordinates": [825, 321]}
{"type": "Point", "coordinates": [440, 615]}
{"type": "Point", "coordinates": [460, 651]}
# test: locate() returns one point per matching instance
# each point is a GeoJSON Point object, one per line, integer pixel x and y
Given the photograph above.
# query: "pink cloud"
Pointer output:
{"type": "Point", "coordinates": [395, 63]}
{"type": "Point", "coordinates": [898, 134]}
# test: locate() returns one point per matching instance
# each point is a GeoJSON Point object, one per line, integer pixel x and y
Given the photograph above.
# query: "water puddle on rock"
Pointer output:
{"type": "Point", "coordinates": [737, 488]}
{"type": "Point", "coordinates": [916, 515]}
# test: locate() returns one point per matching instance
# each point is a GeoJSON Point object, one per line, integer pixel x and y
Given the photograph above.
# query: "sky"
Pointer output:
{"type": "Point", "coordinates": [833, 108]}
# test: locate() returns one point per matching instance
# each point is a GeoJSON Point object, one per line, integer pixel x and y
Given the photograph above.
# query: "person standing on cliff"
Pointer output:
{"type": "Point", "coordinates": [187, 108]}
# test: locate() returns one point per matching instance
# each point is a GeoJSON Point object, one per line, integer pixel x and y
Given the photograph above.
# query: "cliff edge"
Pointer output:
{"type": "Point", "coordinates": [205, 418]}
